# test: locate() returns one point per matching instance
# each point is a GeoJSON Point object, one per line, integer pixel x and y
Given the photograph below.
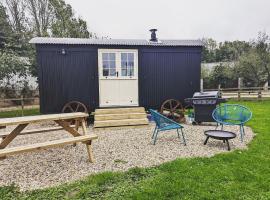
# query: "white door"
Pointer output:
{"type": "Point", "coordinates": [118, 77]}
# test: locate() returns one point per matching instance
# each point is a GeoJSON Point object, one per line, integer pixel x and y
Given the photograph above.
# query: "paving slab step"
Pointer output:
{"type": "Point", "coordinates": [119, 110]}
{"type": "Point", "coordinates": [122, 122]}
{"type": "Point", "coordinates": [103, 117]}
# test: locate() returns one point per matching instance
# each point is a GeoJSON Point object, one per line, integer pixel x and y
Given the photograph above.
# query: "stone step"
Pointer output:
{"type": "Point", "coordinates": [119, 110]}
{"type": "Point", "coordinates": [103, 117]}
{"type": "Point", "coordinates": [122, 122]}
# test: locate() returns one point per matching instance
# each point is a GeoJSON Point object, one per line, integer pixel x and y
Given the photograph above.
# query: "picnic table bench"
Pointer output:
{"type": "Point", "coordinates": [61, 119]}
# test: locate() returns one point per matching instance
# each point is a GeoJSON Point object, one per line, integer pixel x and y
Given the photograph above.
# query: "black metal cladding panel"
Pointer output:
{"type": "Point", "coordinates": [168, 74]}
{"type": "Point", "coordinates": [163, 73]}
{"type": "Point", "coordinates": [70, 77]}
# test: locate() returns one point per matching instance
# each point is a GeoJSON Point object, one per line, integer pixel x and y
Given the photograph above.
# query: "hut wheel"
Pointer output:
{"type": "Point", "coordinates": [174, 110]}
{"type": "Point", "coordinates": [74, 106]}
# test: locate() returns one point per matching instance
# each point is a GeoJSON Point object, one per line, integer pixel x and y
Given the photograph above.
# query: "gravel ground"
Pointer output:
{"type": "Point", "coordinates": [116, 149]}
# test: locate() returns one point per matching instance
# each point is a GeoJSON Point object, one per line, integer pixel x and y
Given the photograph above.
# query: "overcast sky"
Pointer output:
{"type": "Point", "coordinates": [175, 19]}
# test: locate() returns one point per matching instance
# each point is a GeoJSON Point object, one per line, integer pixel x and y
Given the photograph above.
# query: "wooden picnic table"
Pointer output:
{"type": "Point", "coordinates": [63, 120]}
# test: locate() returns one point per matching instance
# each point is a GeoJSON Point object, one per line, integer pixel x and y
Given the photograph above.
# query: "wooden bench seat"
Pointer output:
{"type": "Point", "coordinates": [21, 149]}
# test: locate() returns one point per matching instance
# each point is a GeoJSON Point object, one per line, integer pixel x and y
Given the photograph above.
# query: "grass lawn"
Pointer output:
{"type": "Point", "coordinates": [235, 175]}
{"type": "Point", "coordinates": [18, 113]}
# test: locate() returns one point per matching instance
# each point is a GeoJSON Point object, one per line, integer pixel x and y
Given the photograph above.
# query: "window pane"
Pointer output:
{"type": "Point", "coordinates": [112, 56]}
{"type": "Point", "coordinates": [130, 64]}
{"type": "Point", "coordinates": [105, 72]}
{"type": "Point", "coordinates": [123, 64]}
{"type": "Point", "coordinates": [105, 64]}
{"type": "Point", "coordinates": [112, 64]}
{"type": "Point", "coordinates": [112, 72]}
{"type": "Point", "coordinates": [130, 72]}
{"type": "Point", "coordinates": [105, 56]}
{"type": "Point", "coordinates": [131, 57]}
{"type": "Point", "coordinates": [124, 72]}
{"type": "Point", "coordinates": [123, 56]}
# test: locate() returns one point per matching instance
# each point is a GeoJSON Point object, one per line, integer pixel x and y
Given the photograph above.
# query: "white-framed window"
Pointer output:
{"type": "Point", "coordinates": [118, 63]}
{"type": "Point", "coordinates": [127, 64]}
{"type": "Point", "coordinates": [109, 64]}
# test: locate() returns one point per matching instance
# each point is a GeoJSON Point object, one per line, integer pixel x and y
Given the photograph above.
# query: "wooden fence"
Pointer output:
{"type": "Point", "coordinates": [243, 93]}
{"type": "Point", "coordinates": [19, 104]}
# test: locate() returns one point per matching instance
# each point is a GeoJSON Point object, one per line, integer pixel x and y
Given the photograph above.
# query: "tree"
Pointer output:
{"type": "Point", "coordinates": [223, 75]}
{"type": "Point", "coordinates": [41, 16]}
{"type": "Point", "coordinates": [254, 66]}
{"type": "Point", "coordinates": [17, 15]}
{"type": "Point", "coordinates": [11, 65]}
{"type": "Point", "coordinates": [65, 23]}
{"type": "Point", "coordinates": [5, 28]}
{"type": "Point", "coordinates": [224, 51]}
{"type": "Point", "coordinates": [209, 49]}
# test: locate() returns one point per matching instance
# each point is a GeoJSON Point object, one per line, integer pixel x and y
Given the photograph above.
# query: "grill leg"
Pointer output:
{"type": "Point", "coordinates": [205, 142]}
{"type": "Point", "coordinates": [229, 148]}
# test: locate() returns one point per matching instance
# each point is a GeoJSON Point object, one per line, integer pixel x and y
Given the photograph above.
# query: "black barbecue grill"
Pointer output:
{"type": "Point", "coordinates": [203, 104]}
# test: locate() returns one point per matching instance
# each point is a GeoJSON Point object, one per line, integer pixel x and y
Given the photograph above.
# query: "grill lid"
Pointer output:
{"type": "Point", "coordinates": [212, 94]}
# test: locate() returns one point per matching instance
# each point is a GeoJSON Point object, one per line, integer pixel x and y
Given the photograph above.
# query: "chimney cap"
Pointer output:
{"type": "Point", "coordinates": [153, 30]}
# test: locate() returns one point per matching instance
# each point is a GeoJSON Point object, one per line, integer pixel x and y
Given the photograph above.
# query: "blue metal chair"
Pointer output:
{"type": "Point", "coordinates": [232, 114]}
{"type": "Point", "coordinates": [163, 124]}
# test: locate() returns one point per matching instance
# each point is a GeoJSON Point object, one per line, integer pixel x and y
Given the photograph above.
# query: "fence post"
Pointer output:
{"type": "Point", "coordinates": [239, 83]}
{"type": "Point", "coordinates": [239, 94]}
{"type": "Point", "coordinates": [219, 90]}
{"type": "Point", "coordinates": [259, 94]}
{"type": "Point", "coordinates": [265, 87]}
{"type": "Point", "coordinates": [22, 104]}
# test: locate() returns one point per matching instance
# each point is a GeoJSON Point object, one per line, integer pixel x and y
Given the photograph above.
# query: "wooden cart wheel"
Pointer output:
{"type": "Point", "coordinates": [74, 106]}
{"type": "Point", "coordinates": [174, 110]}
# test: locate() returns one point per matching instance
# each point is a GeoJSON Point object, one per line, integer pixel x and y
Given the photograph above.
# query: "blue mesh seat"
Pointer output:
{"type": "Point", "coordinates": [232, 114]}
{"type": "Point", "coordinates": [163, 124]}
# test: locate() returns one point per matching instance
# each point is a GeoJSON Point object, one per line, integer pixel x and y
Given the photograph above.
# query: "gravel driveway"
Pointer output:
{"type": "Point", "coordinates": [115, 150]}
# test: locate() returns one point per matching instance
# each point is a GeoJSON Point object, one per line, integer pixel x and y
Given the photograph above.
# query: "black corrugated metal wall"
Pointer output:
{"type": "Point", "coordinates": [168, 73]}
{"type": "Point", "coordinates": [70, 77]}
{"type": "Point", "coordinates": [164, 73]}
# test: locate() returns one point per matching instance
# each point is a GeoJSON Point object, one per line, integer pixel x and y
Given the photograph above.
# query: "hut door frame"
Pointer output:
{"type": "Point", "coordinates": [118, 77]}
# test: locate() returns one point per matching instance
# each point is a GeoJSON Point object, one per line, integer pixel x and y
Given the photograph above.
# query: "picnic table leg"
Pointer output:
{"type": "Point", "coordinates": [77, 124]}
{"type": "Point", "coordinates": [84, 126]}
{"type": "Point", "coordinates": [88, 144]}
{"type": "Point", "coordinates": [6, 140]}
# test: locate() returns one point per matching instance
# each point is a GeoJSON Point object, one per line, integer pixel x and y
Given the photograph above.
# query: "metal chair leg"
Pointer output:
{"type": "Point", "coordinates": [183, 136]}
{"type": "Point", "coordinates": [244, 133]}
{"type": "Point", "coordinates": [155, 138]}
{"type": "Point", "coordinates": [222, 127]}
{"type": "Point", "coordinates": [241, 133]}
{"type": "Point", "coordinates": [216, 126]}
{"type": "Point", "coordinates": [154, 132]}
{"type": "Point", "coordinates": [178, 133]}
